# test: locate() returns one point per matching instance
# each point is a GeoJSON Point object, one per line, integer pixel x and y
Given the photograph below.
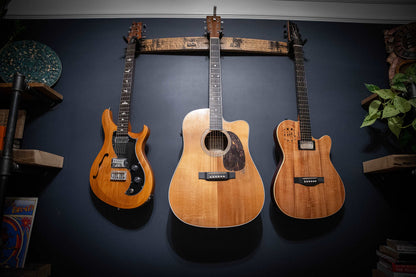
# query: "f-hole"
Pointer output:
{"type": "Point", "coordinates": [216, 142]}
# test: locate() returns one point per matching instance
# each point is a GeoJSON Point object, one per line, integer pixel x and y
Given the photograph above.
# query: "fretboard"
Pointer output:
{"type": "Point", "coordinates": [124, 108]}
{"type": "Point", "coordinates": [302, 95]}
{"type": "Point", "coordinates": [215, 92]}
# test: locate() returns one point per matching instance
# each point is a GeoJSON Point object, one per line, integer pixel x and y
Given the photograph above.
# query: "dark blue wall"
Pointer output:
{"type": "Point", "coordinates": [77, 233]}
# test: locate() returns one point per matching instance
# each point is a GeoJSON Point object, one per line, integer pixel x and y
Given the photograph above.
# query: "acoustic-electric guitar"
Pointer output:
{"type": "Point", "coordinates": [306, 184]}
{"type": "Point", "coordinates": [121, 175]}
{"type": "Point", "coordinates": [216, 183]}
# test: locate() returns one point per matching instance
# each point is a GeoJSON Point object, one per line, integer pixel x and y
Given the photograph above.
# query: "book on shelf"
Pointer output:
{"type": "Point", "coordinates": [387, 271]}
{"type": "Point", "coordinates": [402, 245]}
{"type": "Point", "coordinates": [399, 255]}
{"type": "Point", "coordinates": [18, 216]}
{"type": "Point", "coordinates": [408, 268]}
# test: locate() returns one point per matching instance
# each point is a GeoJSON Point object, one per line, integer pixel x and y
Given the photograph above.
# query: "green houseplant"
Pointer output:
{"type": "Point", "coordinates": [396, 107]}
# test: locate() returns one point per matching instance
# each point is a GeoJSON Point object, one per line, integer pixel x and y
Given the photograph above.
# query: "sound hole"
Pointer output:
{"type": "Point", "coordinates": [216, 141]}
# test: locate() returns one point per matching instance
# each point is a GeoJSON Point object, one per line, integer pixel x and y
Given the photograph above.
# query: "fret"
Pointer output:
{"type": "Point", "coordinates": [128, 74]}
{"type": "Point", "coordinates": [215, 91]}
{"type": "Point", "coordinates": [301, 95]}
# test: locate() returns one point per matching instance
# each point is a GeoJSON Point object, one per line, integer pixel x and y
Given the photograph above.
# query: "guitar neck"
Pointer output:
{"type": "Point", "coordinates": [302, 95]}
{"type": "Point", "coordinates": [215, 91]}
{"type": "Point", "coordinates": [124, 107]}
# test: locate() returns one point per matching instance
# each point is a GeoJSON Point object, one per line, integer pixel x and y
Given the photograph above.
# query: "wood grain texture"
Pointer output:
{"type": "Point", "coordinates": [390, 163]}
{"type": "Point", "coordinates": [228, 45]}
{"type": "Point", "coordinates": [45, 90]}
{"type": "Point", "coordinates": [213, 204]}
{"type": "Point", "coordinates": [111, 192]}
{"type": "Point", "coordinates": [300, 201]}
{"type": "Point", "coordinates": [37, 158]}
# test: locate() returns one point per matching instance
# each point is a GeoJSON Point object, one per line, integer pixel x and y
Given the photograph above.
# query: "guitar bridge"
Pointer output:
{"type": "Point", "coordinates": [118, 175]}
{"type": "Point", "coordinates": [216, 176]}
{"type": "Point", "coordinates": [309, 181]}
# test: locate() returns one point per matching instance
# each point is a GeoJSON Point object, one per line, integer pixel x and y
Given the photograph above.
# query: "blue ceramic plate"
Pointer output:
{"type": "Point", "coordinates": [37, 61]}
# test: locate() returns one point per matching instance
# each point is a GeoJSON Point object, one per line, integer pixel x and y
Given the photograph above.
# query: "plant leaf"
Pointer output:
{"type": "Point", "coordinates": [399, 78]}
{"type": "Point", "coordinates": [371, 87]}
{"type": "Point", "coordinates": [412, 102]}
{"type": "Point", "coordinates": [414, 124]}
{"type": "Point", "coordinates": [411, 70]}
{"type": "Point", "coordinates": [385, 93]}
{"type": "Point", "coordinates": [373, 107]}
{"type": "Point", "coordinates": [395, 125]}
{"type": "Point", "coordinates": [370, 119]}
{"type": "Point", "coordinates": [401, 104]}
{"type": "Point", "coordinates": [399, 86]}
{"type": "Point", "coordinates": [390, 111]}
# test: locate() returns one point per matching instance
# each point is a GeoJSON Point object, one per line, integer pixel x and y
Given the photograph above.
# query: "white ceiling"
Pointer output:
{"type": "Point", "coordinates": [368, 11]}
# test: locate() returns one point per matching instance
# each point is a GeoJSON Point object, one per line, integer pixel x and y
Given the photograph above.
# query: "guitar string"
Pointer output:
{"type": "Point", "coordinates": [215, 86]}
{"type": "Point", "coordinates": [302, 98]}
{"type": "Point", "coordinates": [124, 108]}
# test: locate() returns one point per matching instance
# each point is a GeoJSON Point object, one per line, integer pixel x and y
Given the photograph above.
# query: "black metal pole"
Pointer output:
{"type": "Point", "coordinates": [6, 161]}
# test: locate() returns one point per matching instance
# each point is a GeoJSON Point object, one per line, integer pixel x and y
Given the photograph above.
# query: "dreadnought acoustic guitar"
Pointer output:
{"type": "Point", "coordinates": [121, 175]}
{"type": "Point", "coordinates": [216, 183]}
{"type": "Point", "coordinates": [306, 185]}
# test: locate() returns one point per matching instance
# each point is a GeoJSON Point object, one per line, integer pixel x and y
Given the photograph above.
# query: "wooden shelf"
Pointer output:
{"type": "Point", "coordinates": [37, 158]}
{"type": "Point", "coordinates": [390, 163]}
{"type": "Point", "coordinates": [36, 92]}
{"type": "Point", "coordinates": [200, 44]}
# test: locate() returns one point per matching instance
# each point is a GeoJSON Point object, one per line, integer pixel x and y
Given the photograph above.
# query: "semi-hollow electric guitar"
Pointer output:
{"type": "Point", "coordinates": [121, 175]}
{"type": "Point", "coordinates": [216, 183]}
{"type": "Point", "coordinates": [306, 185]}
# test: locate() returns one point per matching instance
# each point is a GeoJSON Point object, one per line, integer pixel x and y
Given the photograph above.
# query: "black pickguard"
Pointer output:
{"type": "Point", "coordinates": [235, 159]}
{"type": "Point", "coordinates": [125, 148]}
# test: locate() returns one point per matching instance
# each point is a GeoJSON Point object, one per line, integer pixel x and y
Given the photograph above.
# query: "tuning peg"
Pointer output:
{"type": "Point", "coordinates": [222, 22]}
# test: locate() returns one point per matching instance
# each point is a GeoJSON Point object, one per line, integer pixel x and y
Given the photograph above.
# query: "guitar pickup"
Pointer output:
{"type": "Point", "coordinates": [306, 145]}
{"type": "Point", "coordinates": [119, 163]}
{"type": "Point", "coordinates": [216, 176]}
{"type": "Point", "coordinates": [309, 181]}
{"type": "Point", "coordinates": [118, 175]}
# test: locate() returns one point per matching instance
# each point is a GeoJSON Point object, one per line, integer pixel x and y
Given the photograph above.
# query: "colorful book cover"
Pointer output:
{"type": "Point", "coordinates": [15, 233]}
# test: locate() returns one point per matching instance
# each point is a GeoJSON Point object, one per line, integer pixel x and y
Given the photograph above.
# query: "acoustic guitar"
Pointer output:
{"type": "Point", "coordinates": [121, 175]}
{"type": "Point", "coordinates": [216, 183]}
{"type": "Point", "coordinates": [306, 184]}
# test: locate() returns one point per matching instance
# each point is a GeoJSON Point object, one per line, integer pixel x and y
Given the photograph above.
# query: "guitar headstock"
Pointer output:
{"type": "Point", "coordinates": [135, 32]}
{"type": "Point", "coordinates": [213, 27]}
{"type": "Point", "coordinates": [293, 35]}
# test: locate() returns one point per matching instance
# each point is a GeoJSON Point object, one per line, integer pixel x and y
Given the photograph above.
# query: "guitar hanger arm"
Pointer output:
{"type": "Point", "coordinates": [230, 45]}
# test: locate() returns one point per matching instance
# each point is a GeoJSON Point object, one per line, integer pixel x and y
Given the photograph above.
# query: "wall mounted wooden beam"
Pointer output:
{"type": "Point", "coordinates": [232, 45]}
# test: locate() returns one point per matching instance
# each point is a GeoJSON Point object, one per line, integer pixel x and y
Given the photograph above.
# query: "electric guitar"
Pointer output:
{"type": "Point", "coordinates": [306, 185]}
{"type": "Point", "coordinates": [216, 183]}
{"type": "Point", "coordinates": [121, 175]}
